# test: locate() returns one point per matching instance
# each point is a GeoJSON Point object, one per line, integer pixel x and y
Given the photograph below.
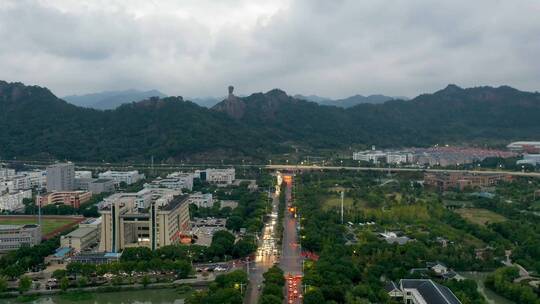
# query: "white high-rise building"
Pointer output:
{"type": "Point", "coordinates": [61, 177]}
{"type": "Point", "coordinates": [5, 172]}
{"type": "Point", "coordinates": [14, 201]}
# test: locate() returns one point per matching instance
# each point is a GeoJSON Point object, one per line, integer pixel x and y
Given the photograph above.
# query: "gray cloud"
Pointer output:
{"type": "Point", "coordinates": [331, 48]}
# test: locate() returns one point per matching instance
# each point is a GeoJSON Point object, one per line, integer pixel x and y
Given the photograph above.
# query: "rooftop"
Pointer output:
{"type": "Point", "coordinates": [176, 201]}
{"type": "Point", "coordinates": [81, 232]}
{"type": "Point", "coordinates": [102, 180]}
{"type": "Point", "coordinates": [432, 292]}
{"type": "Point", "coordinates": [61, 252]}
{"type": "Point", "coordinates": [12, 227]}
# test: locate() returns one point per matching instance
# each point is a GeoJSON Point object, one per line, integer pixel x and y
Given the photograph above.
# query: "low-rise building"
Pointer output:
{"type": "Point", "coordinates": [217, 176]}
{"type": "Point", "coordinates": [421, 291]}
{"type": "Point", "coordinates": [83, 174]}
{"type": "Point", "coordinates": [70, 198]}
{"type": "Point", "coordinates": [127, 177]}
{"type": "Point", "coordinates": [96, 257]}
{"type": "Point", "coordinates": [101, 185]}
{"type": "Point", "coordinates": [13, 237]}
{"type": "Point", "coordinates": [399, 158]}
{"type": "Point", "coordinates": [175, 183]}
{"type": "Point", "coordinates": [14, 201]}
{"type": "Point", "coordinates": [393, 238]}
{"type": "Point", "coordinates": [529, 159]}
{"type": "Point", "coordinates": [372, 156]}
{"type": "Point", "coordinates": [460, 180]}
{"type": "Point", "coordinates": [201, 199]}
{"type": "Point", "coordinates": [525, 146]}
{"type": "Point", "coordinates": [81, 238]}
{"type": "Point", "coordinates": [228, 203]}
{"type": "Point", "coordinates": [186, 178]}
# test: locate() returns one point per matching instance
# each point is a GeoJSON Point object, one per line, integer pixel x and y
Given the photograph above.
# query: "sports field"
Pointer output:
{"type": "Point", "coordinates": [480, 216]}
{"type": "Point", "coordinates": [50, 225]}
{"type": "Point", "coordinates": [335, 201]}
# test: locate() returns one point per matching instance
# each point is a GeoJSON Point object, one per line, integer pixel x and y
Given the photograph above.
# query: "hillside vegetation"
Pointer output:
{"type": "Point", "coordinates": [35, 123]}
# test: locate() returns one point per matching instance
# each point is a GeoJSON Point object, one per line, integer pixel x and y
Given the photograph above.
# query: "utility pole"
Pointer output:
{"type": "Point", "coordinates": [152, 163]}
{"type": "Point", "coordinates": [342, 197]}
{"type": "Point", "coordinates": [39, 218]}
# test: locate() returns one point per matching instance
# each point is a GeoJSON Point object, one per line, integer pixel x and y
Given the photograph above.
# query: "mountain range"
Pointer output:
{"type": "Point", "coordinates": [34, 123]}
{"type": "Point", "coordinates": [109, 100]}
{"type": "Point", "coordinates": [349, 101]}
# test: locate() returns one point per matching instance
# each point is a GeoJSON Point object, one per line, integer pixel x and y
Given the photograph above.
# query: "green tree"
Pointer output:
{"type": "Point", "coordinates": [272, 289]}
{"type": "Point", "coordinates": [25, 283]}
{"type": "Point", "coordinates": [314, 297]}
{"type": "Point", "coordinates": [59, 273]}
{"type": "Point", "coordinates": [182, 269]}
{"type": "Point", "coordinates": [270, 299]}
{"type": "Point", "coordinates": [145, 281]}
{"type": "Point", "coordinates": [244, 247]}
{"type": "Point", "coordinates": [137, 254]}
{"type": "Point", "coordinates": [13, 271]}
{"type": "Point", "coordinates": [82, 282]}
{"type": "Point", "coordinates": [234, 223]}
{"type": "Point", "coordinates": [117, 280]}
{"type": "Point", "coordinates": [74, 268]}
{"type": "Point", "coordinates": [3, 284]}
{"type": "Point", "coordinates": [64, 284]}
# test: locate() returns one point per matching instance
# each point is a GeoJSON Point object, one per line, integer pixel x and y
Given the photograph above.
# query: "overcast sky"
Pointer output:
{"type": "Point", "coordinates": [326, 47]}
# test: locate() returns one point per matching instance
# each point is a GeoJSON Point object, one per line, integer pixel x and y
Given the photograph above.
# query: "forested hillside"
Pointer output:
{"type": "Point", "coordinates": [34, 123]}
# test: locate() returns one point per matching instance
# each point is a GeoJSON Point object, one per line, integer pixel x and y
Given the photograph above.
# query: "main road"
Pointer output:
{"type": "Point", "coordinates": [334, 168]}
{"type": "Point", "coordinates": [291, 259]}
{"type": "Point", "coordinates": [187, 166]}
{"type": "Point", "coordinates": [266, 255]}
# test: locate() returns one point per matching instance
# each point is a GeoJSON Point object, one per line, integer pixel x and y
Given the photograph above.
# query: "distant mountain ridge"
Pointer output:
{"type": "Point", "coordinates": [34, 123]}
{"type": "Point", "coordinates": [109, 100]}
{"type": "Point", "coordinates": [349, 101]}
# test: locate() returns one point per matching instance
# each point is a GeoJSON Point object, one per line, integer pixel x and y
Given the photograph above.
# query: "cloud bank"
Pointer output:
{"type": "Point", "coordinates": [332, 48]}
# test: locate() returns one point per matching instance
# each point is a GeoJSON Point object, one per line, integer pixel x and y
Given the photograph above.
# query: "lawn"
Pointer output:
{"type": "Point", "coordinates": [49, 225]}
{"type": "Point", "coordinates": [480, 216]}
{"type": "Point", "coordinates": [335, 202]}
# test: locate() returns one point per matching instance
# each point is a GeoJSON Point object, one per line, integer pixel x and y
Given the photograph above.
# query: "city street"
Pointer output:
{"type": "Point", "coordinates": [265, 257]}
{"type": "Point", "coordinates": [291, 260]}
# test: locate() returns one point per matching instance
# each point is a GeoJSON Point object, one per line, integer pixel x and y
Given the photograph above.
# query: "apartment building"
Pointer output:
{"type": "Point", "coordinates": [61, 177]}
{"type": "Point", "coordinates": [13, 201]}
